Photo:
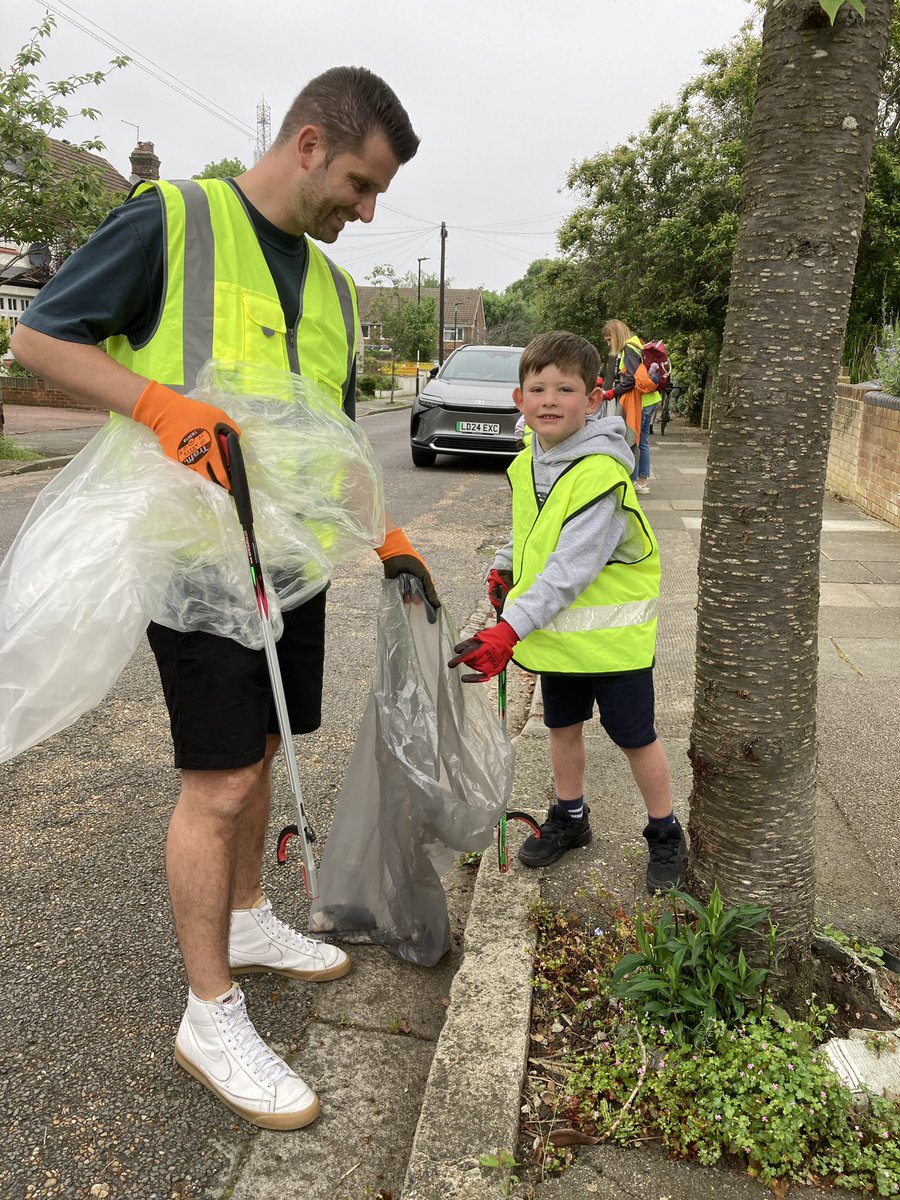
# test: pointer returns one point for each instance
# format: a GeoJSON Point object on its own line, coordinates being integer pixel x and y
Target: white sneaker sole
{"type": "Point", "coordinates": [338, 971]}
{"type": "Point", "coordinates": [290, 1120]}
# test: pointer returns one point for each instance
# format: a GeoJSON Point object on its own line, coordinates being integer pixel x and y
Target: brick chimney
{"type": "Point", "coordinates": [144, 162]}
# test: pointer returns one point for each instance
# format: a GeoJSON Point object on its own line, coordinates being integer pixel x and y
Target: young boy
{"type": "Point", "coordinates": [578, 584]}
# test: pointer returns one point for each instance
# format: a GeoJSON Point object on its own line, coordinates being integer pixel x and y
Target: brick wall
{"type": "Point", "coordinates": [20, 389]}
{"type": "Point", "coordinates": [864, 452]}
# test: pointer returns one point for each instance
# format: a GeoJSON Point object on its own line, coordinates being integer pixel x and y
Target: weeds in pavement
{"type": "Point", "coordinates": [696, 1058]}
{"type": "Point", "coordinates": [502, 1161]}
{"type": "Point", "coordinates": [872, 956]}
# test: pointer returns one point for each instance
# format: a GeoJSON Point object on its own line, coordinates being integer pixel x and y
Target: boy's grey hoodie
{"type": "Point", "coordinates": [588, 541]}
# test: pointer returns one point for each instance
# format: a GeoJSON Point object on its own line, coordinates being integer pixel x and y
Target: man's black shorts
{"type": "Point", "coordinates": [218, 693]}
{"type": "Point", "coordinates": [626, 704]}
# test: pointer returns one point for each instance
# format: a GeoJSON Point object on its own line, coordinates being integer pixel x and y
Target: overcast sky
{"type": "Point", "coordinates": [505, 95]}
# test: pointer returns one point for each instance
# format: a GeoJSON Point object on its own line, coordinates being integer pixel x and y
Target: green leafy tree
{"type": "Point", "coordinates": [225, 168]}
{"type": "Point", "coordinates": [39, 202]}
{"type": "Point", "coordinates": [876, 290]}
{"type": "Point", "coordinates": [653, 240]}
{"type": "Point", "coordinates": [411, 329]}
{"type": "Point", "coordinates": [753, 739]}
{"type": "Point", "coordinates": [384, 274]}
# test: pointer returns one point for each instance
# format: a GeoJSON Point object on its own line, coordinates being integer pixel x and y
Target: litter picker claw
{"type": "Point", "coordinates": [234, 461]}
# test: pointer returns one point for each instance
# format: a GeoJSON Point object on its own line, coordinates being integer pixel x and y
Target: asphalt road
{"type": "Point", "coordinates": [92, 986]}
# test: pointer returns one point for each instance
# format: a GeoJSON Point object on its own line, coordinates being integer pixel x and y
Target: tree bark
{"type": "Point", "coordinates": [753, 743]}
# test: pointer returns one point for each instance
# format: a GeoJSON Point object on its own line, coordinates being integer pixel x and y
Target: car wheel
{"type": "Point", "coordinates": [422, 458]}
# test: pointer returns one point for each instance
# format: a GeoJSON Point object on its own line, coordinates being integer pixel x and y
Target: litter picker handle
{"type": "Point", "coordinates": [229, 442]}
{"type": "Point", "coordinates": [234, 461]}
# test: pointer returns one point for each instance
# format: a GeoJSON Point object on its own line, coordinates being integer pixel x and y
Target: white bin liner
{"type": "Point", "coordinates": [431, 772]}
{"type": "Point", "coordinates": [123, 536]}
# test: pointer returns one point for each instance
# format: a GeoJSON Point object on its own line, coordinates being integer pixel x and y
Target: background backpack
{"type": "Point", "coordinates": [656, 354]}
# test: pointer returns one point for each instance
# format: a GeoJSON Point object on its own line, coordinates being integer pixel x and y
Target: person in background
{"type": "Point", "coordinates": [226, 269]}
{"type": "Point", "coordinates": [633, 381]}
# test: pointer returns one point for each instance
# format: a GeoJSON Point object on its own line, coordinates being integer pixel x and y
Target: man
{"type": "Point", "coordinates": [180, 273]}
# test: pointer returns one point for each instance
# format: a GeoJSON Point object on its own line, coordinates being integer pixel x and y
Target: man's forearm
{"type": "Point", "coordinates": [85, 372]}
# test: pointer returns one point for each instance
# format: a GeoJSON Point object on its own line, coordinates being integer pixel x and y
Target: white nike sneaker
{"type": "Point", "coordinates": [218, 1044]}
{"type": "Point", "coordinates": [259, 941]}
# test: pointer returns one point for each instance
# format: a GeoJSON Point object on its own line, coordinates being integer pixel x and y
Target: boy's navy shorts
{"type": "Point", "coordinates": [218, 694]}
{"type": "Point", "coordinates": [626, 704]}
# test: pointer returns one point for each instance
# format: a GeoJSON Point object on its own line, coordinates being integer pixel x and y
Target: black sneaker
{"type": "Point", "coordinates": [668, 848]}
{"type": "Point", "coordinates": [559, 833]}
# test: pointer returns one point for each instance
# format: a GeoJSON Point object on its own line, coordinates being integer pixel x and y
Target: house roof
{"type": "Point", "coordinates": [467, 299]}
{"type": "Point", "coordinates": [67, 157]}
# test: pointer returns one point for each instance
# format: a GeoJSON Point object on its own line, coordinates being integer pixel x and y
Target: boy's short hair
{"type": "Point", "coordinates": [350, 104]}
{"type": "Point", "coordinates": [567, 351]}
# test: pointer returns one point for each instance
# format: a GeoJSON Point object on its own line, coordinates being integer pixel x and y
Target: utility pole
{"type": "Point", "coordinates": [455, 326]}
{"type": "Point", "coordinates": [418, 307]}
{"type": "Point", "coordinates": [441, 309]}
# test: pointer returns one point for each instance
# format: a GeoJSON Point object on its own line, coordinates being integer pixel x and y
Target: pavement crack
{"type": "Point", "coordinates": [845, 657]}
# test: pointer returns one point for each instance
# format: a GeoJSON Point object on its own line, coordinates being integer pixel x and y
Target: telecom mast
{"type": "Point", "coordinates": [263, 128]}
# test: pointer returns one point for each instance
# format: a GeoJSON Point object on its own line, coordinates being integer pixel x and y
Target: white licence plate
{"type": "Point", "coordinates": [477, 427]}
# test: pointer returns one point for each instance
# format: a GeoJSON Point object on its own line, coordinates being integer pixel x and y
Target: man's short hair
{"type": "Point", "coordinates": [350, 104]}
{"type": "Point", "coordinates": [567, 351]}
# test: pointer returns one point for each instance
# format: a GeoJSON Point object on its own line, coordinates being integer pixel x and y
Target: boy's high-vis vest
{"type": "Point", "coordinates": [611, 627]}
{"type": "Point", "coordinates": [220, 300]}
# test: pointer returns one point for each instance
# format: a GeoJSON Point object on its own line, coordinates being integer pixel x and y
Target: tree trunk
{"type": "Point", "coordinates": [753, 743]}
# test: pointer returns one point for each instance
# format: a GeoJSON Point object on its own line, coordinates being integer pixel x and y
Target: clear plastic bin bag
{"type": "Point", "coordinates": [430, 774]}
{"type": "Point", "coordinates": [123, 536]}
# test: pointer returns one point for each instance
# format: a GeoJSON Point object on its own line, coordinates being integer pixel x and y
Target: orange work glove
{"type": "Point", "coordinates": [398, 558]}
{"type": "Point", "coordinates": [188, 430]}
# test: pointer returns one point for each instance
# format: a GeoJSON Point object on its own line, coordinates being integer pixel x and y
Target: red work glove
{"type": "Point", "coordinates": [398, 558]}
{"type": "Point", "coordinates": [188, 430]}
{"type": "Point", "coordinates": [609, 394]}
{"type": "Point", "coordinates": [488, 652]}
{"type": "Point", "coordinates": [498, 583]}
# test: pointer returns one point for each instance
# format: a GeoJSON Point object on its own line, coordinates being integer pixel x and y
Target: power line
{"type": "Point", "coordinates": [178, 85]}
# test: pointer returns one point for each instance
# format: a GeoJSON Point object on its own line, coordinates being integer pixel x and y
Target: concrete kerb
{"type": "Point", "coordinates": [473, 1094]}
{"type": "Point", "coordinates": [15, 467]}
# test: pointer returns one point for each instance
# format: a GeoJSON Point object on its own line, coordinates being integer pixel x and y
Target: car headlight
{"type": "Point", "coordinates": [430, 401]}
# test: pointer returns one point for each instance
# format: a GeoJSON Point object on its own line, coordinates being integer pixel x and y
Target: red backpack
{"type": "Point", "coordinates": [655, 354]}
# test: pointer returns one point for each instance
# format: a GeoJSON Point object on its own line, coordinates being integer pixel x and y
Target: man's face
{"type": "Point", "coordinates": [328, 196]}
{"type": "Point", "coordinates": [555, 403]}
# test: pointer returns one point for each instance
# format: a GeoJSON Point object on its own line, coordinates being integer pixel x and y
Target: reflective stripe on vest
{"type": "Point", "coordinates": [220, 300]}
{"type": "Point", "coordinates": [611, 627]}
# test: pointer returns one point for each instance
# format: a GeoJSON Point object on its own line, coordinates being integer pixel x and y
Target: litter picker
{"type": "Point", "coordinates": [234, 461]}
{"type": "Point", "coordinates": [514, 814]}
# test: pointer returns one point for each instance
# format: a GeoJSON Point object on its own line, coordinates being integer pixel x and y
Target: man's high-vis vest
{"type": "Point", "coordinates": [220, 300]}
{"type": "Point", "coordinates": [611, 627]}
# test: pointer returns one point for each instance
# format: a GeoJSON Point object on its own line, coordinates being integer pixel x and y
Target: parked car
{"type": "Point", "coordinates": [466, 406]}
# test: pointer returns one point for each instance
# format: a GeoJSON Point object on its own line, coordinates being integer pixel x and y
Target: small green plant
{"type": "Point", "coordinates": [872, 956]}
{"type": "Point", "coordinates": [9, 450]}
{"type": "Point", "coordinates": [369, 384]}
{"type": "Point", "coordinates": [690, 971]}
{"type": "Point", "coordinates": [393, 1024]}
{"type": "Point", "coordinates": [17, 371]}
{"type": "Point", "coordinates": [879, 1042]}
{"type": "Point", "coordinates": [470, 860]}
{"type": "Point", "coordinates": [501, 1161]}
{"type": "Point", "coordinates": [887, 358]}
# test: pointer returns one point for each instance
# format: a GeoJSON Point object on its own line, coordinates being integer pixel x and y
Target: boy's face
{"type": "Point", "coordinates": [555, 403]}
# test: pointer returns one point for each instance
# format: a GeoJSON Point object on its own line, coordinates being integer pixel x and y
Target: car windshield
{"type": "Point", "coordinates": [490, 366]}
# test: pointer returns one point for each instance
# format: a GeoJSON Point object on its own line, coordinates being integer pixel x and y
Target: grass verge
{"type": "Point", "coordinates": [11, 451]}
